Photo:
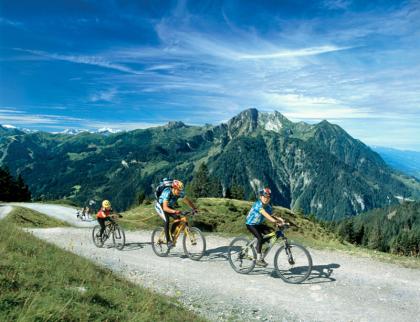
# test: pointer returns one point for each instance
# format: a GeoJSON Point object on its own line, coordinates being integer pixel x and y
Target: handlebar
{"type": "Point", "coordinates": [190, 212]}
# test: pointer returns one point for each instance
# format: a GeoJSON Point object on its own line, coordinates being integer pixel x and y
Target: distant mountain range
{"type": "Point", "coordinates": [404, 161]}
{"type": "Point", "coordinates": [319, 168]}
{"type": "Point", "coordinates": [66, 131]}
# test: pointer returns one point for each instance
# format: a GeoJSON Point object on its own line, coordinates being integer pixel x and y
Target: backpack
{"type": "Point", "coordinates": [165, 183]}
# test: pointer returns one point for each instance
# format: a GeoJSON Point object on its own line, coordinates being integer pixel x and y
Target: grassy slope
{"type": "Point", "coordinates": [24, 217]}
{"type": "Point", "coordinates": [40, 282]}
{"type": "Point", "coordinates": [227, 217]}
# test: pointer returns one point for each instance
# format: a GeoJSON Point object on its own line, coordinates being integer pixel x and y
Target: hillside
{"type": "Point", "coordinates": [319, 168]}
{"type": "Point", "coordinates": [394, 229]}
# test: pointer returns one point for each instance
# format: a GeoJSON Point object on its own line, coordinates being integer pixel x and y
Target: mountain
{"type": "Point", "coordinates": [405, 161]}
{"type": "Point", "coordinates": [319, 168]}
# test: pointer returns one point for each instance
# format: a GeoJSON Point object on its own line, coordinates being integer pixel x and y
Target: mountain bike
{"type": "Point", "coordinates": [111, 228]}
{"type": "Point", "coordinates": [193, 241]}
{"type": "Point", "coordinates": [292, 261]}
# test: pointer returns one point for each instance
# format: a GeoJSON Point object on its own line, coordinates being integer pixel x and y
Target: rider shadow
{"type": "Point", "coordinates": [216, 254]}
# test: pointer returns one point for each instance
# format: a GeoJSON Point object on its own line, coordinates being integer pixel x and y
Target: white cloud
{"type": "Point", "coordinates": [104, 96]}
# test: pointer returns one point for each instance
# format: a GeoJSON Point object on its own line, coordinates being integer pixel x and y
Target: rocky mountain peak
{"type": "Point", "coordinates": [175, 124]}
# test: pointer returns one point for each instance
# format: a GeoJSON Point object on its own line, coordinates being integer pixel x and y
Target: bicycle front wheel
{"type": "Point", "coordinates": [241, 255]}
{"type": "Point", "coordinates": [118, 237]}
{"type": "Point", "coordinates": [293, 263]}
{"type": "Point", "coordinates": [159, 244]}
{"type": "Point", "coordinates": [95, 237]}
{"type": "Point", "coordinates": [194, 243]}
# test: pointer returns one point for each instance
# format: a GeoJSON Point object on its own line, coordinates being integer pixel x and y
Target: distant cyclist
{"type": "Point", "coordinates": [260, 211]}
{"type": "Point", "coordinates": [165, 204]}
{"type": "Point", "coordinates": [103, 215]}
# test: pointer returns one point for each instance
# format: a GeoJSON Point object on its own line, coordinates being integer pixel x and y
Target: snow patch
{"type": "Point", "coordinates": [359, 200]}
{"type": "Point", "coordinates": [255, 184]}
{"type": "Point", "coordinates": [124, 164]}
{"type": "Point", "coordinates": [8, 126]}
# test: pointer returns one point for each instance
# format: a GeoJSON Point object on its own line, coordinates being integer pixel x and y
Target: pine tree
{"type": "Point", "coordinates": [237, 192]}
{"type": "Point", "coordinates": [201, 182]}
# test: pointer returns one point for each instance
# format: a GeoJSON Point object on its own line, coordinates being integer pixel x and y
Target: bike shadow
{"type": "Point", "coordinates": [216, 254]}
{"type": "Point", "coordinates": [319, 274]}
{"type": "Point", "coordinates": [130, 246]}
{"type": "Point", "coordinates": [134, 246]}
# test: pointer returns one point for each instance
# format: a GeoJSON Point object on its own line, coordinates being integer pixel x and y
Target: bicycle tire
{"type": "Point", "coordinates": [159, 244]}
{"type": "Point", "coordinates": [236, 257]}
{"type": "Point", "coordinates": [293, 273]}
{"type": "Point", "coordinates": [97, 241]}
{"type": "Point", "coordinates": [194, 235]}
{"type": "Point", "coordinates": [118, 237]}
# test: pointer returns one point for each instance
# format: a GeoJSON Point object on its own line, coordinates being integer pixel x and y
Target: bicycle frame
{"type": "Point", "coordinates": [274, 237]}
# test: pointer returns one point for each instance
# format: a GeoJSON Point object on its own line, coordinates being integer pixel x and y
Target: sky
{"type": "Point", "coordinates": [136, 64]}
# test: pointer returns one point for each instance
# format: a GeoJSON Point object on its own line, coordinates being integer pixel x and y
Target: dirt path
{"type": "Point", "coordinates": [60, 212]}
{"type": "Point", "coordinates": [341, 288]}
{"type": "Point", "coordinates": [4, 210]}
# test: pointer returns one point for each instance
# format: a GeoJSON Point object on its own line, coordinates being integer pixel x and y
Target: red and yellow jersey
{"type": "Point", "coordinates": [103, 213]}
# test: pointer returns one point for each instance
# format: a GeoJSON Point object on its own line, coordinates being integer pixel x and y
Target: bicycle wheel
{"type": "Point", "coordinates": [97, 240]}
{"type": "Point", "coordinates": [159, 245]}
{"type": "Point", "coordinates": [194, 243]}
{"type": "Point", "coordinates": [118, 237]}
{"type": "Point", "coordinates": [241, 256]}
{"type": "Point", "coordinates": [293, 263]}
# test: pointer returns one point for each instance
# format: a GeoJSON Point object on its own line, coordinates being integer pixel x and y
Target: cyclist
{"type": "Point", "coordinates": [164, 206]}
{"type": "Point", "coordinates": [103, 215]}
{"type": "Point", "coordinates": [260, 211]}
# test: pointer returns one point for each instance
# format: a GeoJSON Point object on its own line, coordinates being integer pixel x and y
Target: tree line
{"type": "Point", "coordinates": [11, 188]}
{"type": "Point", "coordinates": [395, 229]}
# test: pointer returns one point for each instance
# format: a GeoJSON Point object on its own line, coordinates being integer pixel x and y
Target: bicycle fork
{"type": "Point", "coordinates": [289, 255]}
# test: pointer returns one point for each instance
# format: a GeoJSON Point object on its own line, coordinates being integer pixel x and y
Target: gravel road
{"type": "Point", "coordinates": [341, 288]}
{"type": "Point", "coordinates": [64, 213]}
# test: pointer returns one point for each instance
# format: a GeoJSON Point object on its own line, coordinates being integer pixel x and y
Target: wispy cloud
{"type": "Point", "coordinates": [81, 59]}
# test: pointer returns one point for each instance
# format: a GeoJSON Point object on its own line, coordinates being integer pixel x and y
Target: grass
{"type": "Point", "coordinates": [24, 217]}
{"type": "Point", "coordinates": [40, 282]}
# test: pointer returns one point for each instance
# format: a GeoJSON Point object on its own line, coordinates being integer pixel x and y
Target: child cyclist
{"type": "Point", "coordinates": [103, 215]}
{"type": "Point", "coordinates": [260, 211]}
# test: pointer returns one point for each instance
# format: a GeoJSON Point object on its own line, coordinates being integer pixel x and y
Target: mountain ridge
{"type": "Point", "coordinates": [317, 168]}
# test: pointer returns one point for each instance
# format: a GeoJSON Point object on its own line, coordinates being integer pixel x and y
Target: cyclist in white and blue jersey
{"type": "Point", "coordinates": [260, 211]}
{"type": "Point", "coordinates": [164, 206]}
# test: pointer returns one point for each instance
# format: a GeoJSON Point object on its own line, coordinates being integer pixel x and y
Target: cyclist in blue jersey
{"type": "Point", "coordinates": [164, 206]}
{"type": "Point", "coordinates": [260, 211]}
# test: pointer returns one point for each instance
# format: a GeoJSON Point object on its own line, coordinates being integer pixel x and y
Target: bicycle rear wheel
{"type": "Point", "coordinates": [241, 256]}
{"type": "Point", "coordinates": [293, 263]}
{"type": "Point", "coordinates": [194, 243]}
{"type": "Point", "coordinates": [118, 237]}
{"type": "Point", "coordinates": [159, 244]}
{"type": "Point", "coordinates": [97, 240]}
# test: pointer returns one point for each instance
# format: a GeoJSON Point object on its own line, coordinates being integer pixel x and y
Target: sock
{"type": "Point", "coordinates": [258, 256]}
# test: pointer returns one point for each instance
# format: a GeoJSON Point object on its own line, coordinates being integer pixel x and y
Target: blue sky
{"type": "Point", "coordinates": [134, 64]}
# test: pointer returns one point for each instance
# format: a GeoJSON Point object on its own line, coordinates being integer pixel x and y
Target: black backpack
{"type": "Point", "coordinates": [165, 183]}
